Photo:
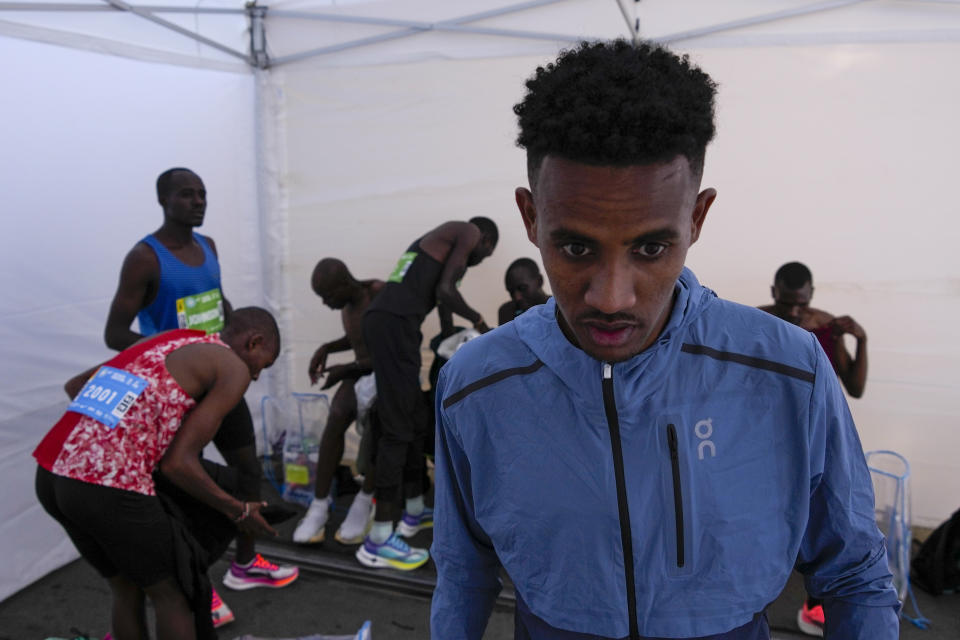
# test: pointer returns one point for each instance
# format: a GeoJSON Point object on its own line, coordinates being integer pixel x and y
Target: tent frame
{"type": "Point", "coordinates": [258, 16]}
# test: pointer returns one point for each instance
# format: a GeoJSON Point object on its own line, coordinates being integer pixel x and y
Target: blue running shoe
{"type": "Point", "coordinates": [410, 525]}
{"type": "Point", "coordinates": [393, 553]}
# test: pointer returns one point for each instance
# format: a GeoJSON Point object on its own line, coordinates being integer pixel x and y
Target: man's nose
{"type": "Point", "coordinates": [611, 288]}
{"type": "Point", "coordinates": [517, 296]}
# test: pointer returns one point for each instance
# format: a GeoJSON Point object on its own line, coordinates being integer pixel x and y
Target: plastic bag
{"type": "Point", "coordinates": [450, 344]}
{"type": "Point", "coordinates": [292, 430]}
{"type": "Point", "coordinates": [890, 473]}
{"type": "Point", "coordinates": [366, 389]}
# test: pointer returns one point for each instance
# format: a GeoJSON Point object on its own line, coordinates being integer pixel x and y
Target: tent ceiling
{"type": "Point", "coordinates": [218, 33]}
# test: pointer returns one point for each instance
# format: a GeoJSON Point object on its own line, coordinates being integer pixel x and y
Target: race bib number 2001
{"type": "Point", "coordinates": [108, 395]}
{"type": "Point", "coordinates": [203, 311]}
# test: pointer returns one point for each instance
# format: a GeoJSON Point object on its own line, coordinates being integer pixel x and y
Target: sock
{"type": "Point", "coordinates": [415, 506]}
{"type": "Point", "coordinates": [381, 531]}
{"type": "Point", "coordinates": [320, 505]}
{"type": "Point", "coordinates": [358, 515]}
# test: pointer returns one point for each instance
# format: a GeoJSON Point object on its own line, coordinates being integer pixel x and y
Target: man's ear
{"type": "Point", "coordinates": [528, 212]}
{"type": "Point", "coordinates": [704, 199]}
{"type": "Point", "coordinates": [254, 340]}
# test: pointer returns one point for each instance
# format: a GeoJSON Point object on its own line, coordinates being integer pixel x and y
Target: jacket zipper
{"type": "Point", "coordinates": [626, 537]}
{"type": "Point", "coordinates": [677, 491]}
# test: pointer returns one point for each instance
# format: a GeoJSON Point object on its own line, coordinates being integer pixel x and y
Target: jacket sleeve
{"type": "Point", "coordinates": [843, 554]}
{"type": "Point", "coordinates": [467, 566]}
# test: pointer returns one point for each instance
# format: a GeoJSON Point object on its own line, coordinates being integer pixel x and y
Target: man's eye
{"type": "Point", "coordinates": [575, 249]}
{"type": "Point", "coordinates": [651, 249]}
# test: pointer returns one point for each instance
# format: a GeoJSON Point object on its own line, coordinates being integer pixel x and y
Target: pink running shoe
{"type": "Point", "coordinates": [260, 573]}
{"type": "Point", "coordinates": [219, 611]}
{"type": "Point", "coordinates": [810, 620]}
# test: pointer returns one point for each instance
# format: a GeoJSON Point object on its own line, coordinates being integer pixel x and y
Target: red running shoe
{"type": "Point", "coordinates": [810, 620]}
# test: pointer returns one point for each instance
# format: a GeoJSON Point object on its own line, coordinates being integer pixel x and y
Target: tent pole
{"type": "Point", "coordinates": [633, 23]}
{"type": "Point", "coordinates": [767, 17]}
{"type": "Point", "coordinates": [146, 15]}
{"type": "Point", "coordinates": [258, 36]}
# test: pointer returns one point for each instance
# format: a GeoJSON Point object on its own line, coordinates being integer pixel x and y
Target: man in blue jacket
{"type": "Point", "coordinates": [644, 459]}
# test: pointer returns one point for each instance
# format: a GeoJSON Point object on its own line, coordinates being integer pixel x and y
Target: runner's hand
{"type": "Point", "coordinates": [318, 363]}
{"type": "Point", "coordinates": [846, 324]}
{"type": "Point", "coordinates": [336, 373]}
{"type": "Point", "coordinates": [254, 523]}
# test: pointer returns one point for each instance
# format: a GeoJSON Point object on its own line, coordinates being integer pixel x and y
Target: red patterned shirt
{"type": "Point", "coordinates": [124, 457]}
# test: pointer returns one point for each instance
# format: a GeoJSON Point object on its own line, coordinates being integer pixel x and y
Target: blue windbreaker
{"type": "Point", "coordinates": [720, 458]}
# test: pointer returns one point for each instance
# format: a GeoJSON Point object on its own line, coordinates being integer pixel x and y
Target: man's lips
{"type": "Point", "coordinates": [610, 334]}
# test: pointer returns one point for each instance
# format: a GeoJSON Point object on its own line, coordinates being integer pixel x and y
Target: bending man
{"type": "Point", "coordinates": [426, 275]}
{"type": "Point", "coordinates": [152, 407]}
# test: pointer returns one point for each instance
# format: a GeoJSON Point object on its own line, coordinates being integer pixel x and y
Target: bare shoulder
{"type": "Point", "coordinates": [141, 259]}
{"type": "Point", "coordinates": [819, 317]}
{"type": "Point", "coordinates": [213, 245]}
{"type": "Point", "coordinates": [456, 230]}
{"type": "Point", "coordinates": [198, 367]}
{"type": "Point", "coordinates": [373, 286]}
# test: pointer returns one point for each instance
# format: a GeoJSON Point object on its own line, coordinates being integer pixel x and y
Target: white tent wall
{"type": "Point", "coordinates": [835, 150]}
{"type": "Point", "coordinates": [837, 156]}
{"type": "Point", "coordinates": [84, 138]}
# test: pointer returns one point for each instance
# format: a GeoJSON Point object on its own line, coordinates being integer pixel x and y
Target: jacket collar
{"type": "Point", "coordinates": [539, 330]}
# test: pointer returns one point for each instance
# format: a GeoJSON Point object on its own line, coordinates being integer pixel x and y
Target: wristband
{"type": "Point", "coordinates": [244, 514]}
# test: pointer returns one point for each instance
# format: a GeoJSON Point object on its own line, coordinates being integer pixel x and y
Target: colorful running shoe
{"type": "Point", "coordinates": [260, 573]}
{"type": "Point", "coordinates": [393, 553]}
{"type": "Point", "coordinates": [219, 611]}
{"type": "Point", "coordinates": [410, 525]}
{"type": "Point", "coordinates": [810, 620]}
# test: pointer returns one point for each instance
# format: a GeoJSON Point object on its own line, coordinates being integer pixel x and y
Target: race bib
{"type": "Point", "coordinates": [203, 311]}
{"type": "Point", "coordinates": [108, 395]}
{"type": "Point", "coordinates": [403, 265]}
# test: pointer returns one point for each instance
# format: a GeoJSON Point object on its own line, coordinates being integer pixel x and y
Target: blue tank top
{"type": "Point", "coordinates": [187, 297]}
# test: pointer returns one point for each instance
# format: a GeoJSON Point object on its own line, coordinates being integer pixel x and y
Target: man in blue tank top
{"type": "Point", "coordinates": [170, 280]}
{"type": "Point", "coordinates": [425, 277]}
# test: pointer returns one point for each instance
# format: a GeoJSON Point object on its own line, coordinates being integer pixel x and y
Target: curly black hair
{"type": "Point", "coordinates": [616, 104]}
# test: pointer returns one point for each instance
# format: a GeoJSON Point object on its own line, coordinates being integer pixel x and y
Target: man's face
{"type": "Point", "coordinates": [613, 242]}
{"type": "Point", "coordinates": [482, 251]}
{"type": "Point", "coordinates": [186, 201]}
{"type": "Point", "coordinates": [791, 304]}
{"type": "Point", "coordinates": [336, 295]}
{"type": "Point", "coordinates": [524, 288]}
{"type": "Point", "coordinates": [259, 354]}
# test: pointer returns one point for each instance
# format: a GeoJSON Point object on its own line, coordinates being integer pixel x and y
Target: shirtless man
{"type": "Point", "coordinates": [152, 407]}
{"type": "Point", "coordinates": [169, 280]}
{"type": "Point", "coordinates": [339, 290]}
{"type": "Point", "coordinates": [792, 292]}
{"type": "Point", "coordinates": [425, 276]}
{"type": "Point", "coordinates": [524, 283]}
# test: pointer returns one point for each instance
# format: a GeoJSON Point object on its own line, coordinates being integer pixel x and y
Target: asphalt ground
{"type": "Point", "coordinates": [335, 595]}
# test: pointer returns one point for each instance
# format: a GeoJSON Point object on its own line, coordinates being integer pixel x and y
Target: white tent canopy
{"type": "Point", "coordinates": [349, 128]}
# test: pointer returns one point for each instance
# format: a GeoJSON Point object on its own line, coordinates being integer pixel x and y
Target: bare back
{"type": "Point", "coordinates": [352, 315]}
